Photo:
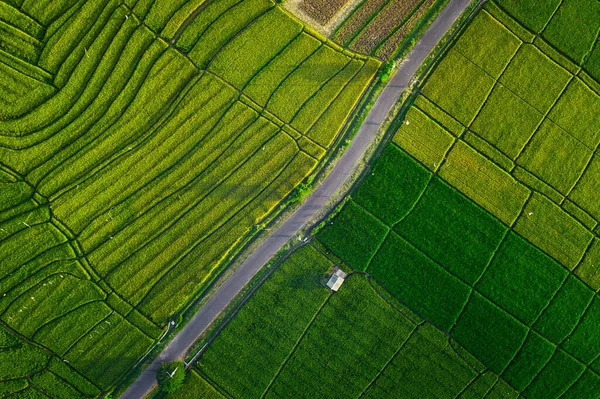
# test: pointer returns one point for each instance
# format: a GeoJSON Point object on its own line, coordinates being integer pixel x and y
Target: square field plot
{"type": "Point", "coordinates": [422, 137]}
{"type": "Point", "coordinates": [535, 14]}
{"type": "Point", "coordinates": [459, 87]}
{"type": "Point", "coordinates": [578, 112]}
{"type": "Point", "coordinates": [489, 333]}
{"type": "Point", "coordinates": [507, 121]}
{"type": "Point", "coordinates": [574, 28]}
{"type": "Point", "coordinates": [521, 279]}
{"type": "Point", "coordinates": [354, 235]}
{"type": "Point", "coordinates": [535, 78]}
{"type": "Point", "coordinates": [452, 230]}
{"type": "Point", "coordinates": [488, 44]}
{"type": "Point", "coordinates": [418, 282]}
{"type": "Point", "coordinates": [556, 157]}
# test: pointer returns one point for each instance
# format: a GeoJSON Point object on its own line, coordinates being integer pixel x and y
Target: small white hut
{"type": "Point", "coordinates": [336, 280]}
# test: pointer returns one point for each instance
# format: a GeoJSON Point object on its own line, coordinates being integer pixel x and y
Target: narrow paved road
{"type": "Point", "coordinates": [342, 170]}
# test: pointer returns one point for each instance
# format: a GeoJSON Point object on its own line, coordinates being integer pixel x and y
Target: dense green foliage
{"type": "Point", "coordinates": [170, 376]}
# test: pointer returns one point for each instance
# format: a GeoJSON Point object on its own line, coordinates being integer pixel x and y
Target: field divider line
{"type": "Point", "coordinates": [289, 356]}
{"type": "Point", "coordinates": [400, 347]}
{"type": "Point", "coordinates": [160, 38]}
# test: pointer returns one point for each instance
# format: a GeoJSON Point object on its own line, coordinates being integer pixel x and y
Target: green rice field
{"type": "Point", "coordinates": [472, 241]}
{"type": "Point", "coordinates": [141, 144]}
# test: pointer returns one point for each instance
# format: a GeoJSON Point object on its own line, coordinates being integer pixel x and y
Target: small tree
{"type": "Point", "coordinates": [170, 376]}
{"type": "Point", "coordinates": [386, 71]}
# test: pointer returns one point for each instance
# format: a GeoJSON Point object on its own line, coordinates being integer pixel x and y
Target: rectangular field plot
{"type": "Point", "coordinates": [584, 341]}
{"type": "Point", "coordinates": [429, 362]}
{"type": "Point", "coordinates": [494, 347]}
{"type": "Point", "coordinates": [564, 311]}
{"type": "Point", "coordinates": [577, 112]}
{"type": "Point", "coordinates": [572, 30]}
{"type": "Point", "coordinates": [535, 78]}
{"type": "Point", "coordinates": [531, 358]}
{"type": "Point", "coordinates": [459, 87]}
{"type": "Point", "coordinates": [507, 122]}
{"type": "Point", "coordinates": [535, 14]}
{"type": "Point", "coordinates": [556, 157]}
{"type": "Point", "coordinates": [556, 377]}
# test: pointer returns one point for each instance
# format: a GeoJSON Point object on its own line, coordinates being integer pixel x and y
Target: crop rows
{"type": "Point", "coordinates": [381, 27]}
{"type": "Point", "coordinates": [140, 150]}
{"type": "Point", "coordinates": [304, 346]}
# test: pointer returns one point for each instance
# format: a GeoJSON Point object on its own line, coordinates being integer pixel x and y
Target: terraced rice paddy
{"type": "Point", "coordinates": [478, 224]}
{"type": "Point", "coordinates": [141, 142]}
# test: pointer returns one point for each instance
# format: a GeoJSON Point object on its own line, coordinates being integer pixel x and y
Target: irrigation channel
{"type": "Point", "coordinates": [401, 80]}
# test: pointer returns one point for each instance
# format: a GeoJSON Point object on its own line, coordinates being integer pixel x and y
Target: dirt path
{"type": "Point", "coordinates": [336, 178]}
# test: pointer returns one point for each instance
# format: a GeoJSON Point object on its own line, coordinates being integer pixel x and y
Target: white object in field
{"type": "Point", "coordinates": [336, 280]}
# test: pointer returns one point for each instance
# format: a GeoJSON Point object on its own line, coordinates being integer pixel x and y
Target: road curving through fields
{"type": "Point", "coordinates": [336, 178]}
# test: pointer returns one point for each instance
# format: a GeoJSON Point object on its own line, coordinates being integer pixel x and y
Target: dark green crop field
{"type": "Point", "coordinates": [141, 144]}
{"type": "Point", "coordinates": [476, 229]}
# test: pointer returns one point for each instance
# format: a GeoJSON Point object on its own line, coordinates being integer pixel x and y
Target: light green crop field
{"type": "Point", "coordinates": [477, 224]}
{"type": "Point", "coordinates": [141, 144]}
